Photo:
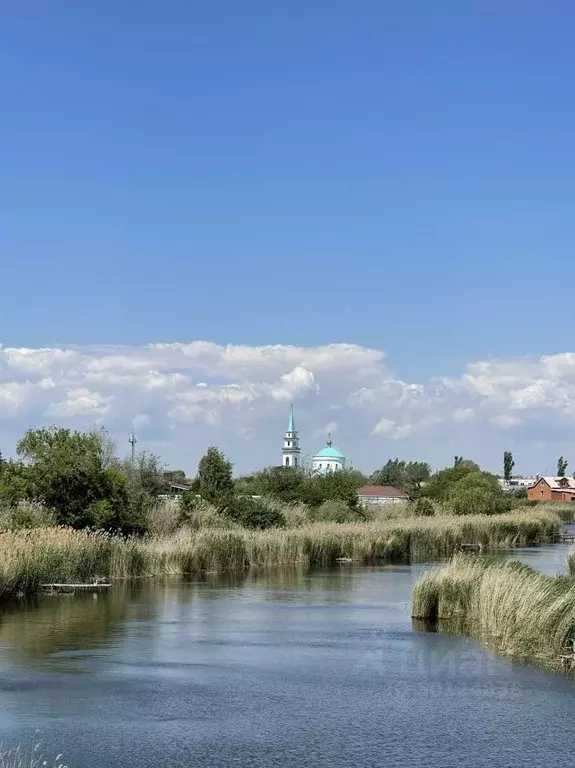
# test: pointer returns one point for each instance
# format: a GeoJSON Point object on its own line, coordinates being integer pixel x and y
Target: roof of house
{"type": "Point", "coordinates": [555, 485]}
{"type": "Point", "coordinates": [380, 490]}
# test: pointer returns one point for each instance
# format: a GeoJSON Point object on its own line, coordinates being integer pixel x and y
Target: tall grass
{"type": "Point", "coordinates": [517, 610]}
{"type": "Point", "coordinates": [27, 757]}
{"type": "Point", "coordinates": [29, 558]}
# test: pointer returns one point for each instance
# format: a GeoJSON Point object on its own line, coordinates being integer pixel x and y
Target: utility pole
{"type": "Point", "coordinates": [133, 440]}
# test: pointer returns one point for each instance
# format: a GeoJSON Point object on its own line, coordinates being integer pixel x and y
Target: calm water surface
{"type": "Point", "coordinates": [277, 669]}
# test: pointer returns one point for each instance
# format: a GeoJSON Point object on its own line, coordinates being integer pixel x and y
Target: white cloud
{"type": "Point", "coordinates": [200, 392]}
{"type": "Point", "coordinates": [330, 428]}
{"type": "Point", "coordinates": [14, 395]}
{"type": "Point", "coordinates": [463, 414]}
{"type": "Point", "coordinates": [36, 360]}
{"type": "Point", "coordinates": [140, 420]}
{"type": "Point", "coordinates": [80, 402]}
{"type": "Point", "coordinates": [391, 428]}
{"type": "Point", "coordinates": [505, 421]}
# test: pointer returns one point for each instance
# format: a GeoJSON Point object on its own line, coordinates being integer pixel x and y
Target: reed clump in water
{"type": "Point", "coordinates": [510, 606]}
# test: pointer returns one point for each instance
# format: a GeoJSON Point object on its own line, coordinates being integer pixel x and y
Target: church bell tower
{"type": "Point", "coordinates": [291, 450]}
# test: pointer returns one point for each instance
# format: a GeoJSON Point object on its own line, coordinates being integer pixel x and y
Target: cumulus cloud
{"type": "Point", "coordinates": [245, 390]}
{"type": "Point", "coordinates": [80, 401]}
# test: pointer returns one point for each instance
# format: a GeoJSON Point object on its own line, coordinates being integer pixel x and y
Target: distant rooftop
{"type": "Point", "coordinates": [381, 490]}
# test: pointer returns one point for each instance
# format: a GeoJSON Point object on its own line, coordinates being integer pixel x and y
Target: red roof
{"type": "Point", "coordinates": [380, 490]}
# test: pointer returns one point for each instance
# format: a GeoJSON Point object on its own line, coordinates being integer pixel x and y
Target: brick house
{"type": "Point", "coordinates": [552, 489]}
{"type": "Point", "coordinates": [380, 494]}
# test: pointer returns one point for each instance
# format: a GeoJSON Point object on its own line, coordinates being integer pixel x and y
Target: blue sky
{"type": "Point", "coordinates": [395, 176]}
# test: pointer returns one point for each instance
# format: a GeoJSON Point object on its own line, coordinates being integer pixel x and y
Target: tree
{"type": "Point", "coordinates": [407, 476]}
{"type": "Point", "coordinates": [144, 478]}
{"type": "Point", "coordinates": [283, 483]}
{"type": "Point", "coordinates": [460, 461]}
{"type": "Point", "coordinates": [174, 476]}
{"type": "Point", "coordinates": [215, 477]}
{"type": "Point", "coordinates": [440, 484]}
{"type": "Point", "coordinates": [14, 482]}
{"type": "Point", "coordinates": [508, 465]}
{"type": "Point", "coordinates": [73, 474]}
{"type": "Point", "coordinates": [66, 471]}
{"type": "Point", "coordinates": [477, 493]}
{"type": "Point", "coordinates": [342, 485]}
{"type": "Point", "coordinates": [561, 466]}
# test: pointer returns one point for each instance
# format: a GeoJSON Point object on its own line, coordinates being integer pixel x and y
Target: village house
{"type": "Point", "coordinates": [380, 494]}
{"type": "Point", "coordinates": [552, 489]}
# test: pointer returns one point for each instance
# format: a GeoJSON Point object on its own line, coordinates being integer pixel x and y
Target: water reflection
{"type": "Point", "coordinates": [271, 668]}
{"type": "Point", "coordinates": [44, 626]}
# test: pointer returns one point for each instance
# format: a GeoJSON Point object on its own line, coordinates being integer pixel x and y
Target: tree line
{"type": "Point", "coordinates": [78, 477]}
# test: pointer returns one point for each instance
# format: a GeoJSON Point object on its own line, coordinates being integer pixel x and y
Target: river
{"type": "Point", "coordinates": [286, 668]}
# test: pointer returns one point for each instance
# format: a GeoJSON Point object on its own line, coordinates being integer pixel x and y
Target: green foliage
{"type": "Point", "coordinates": [26, 515]}
{"type": "Point", "coordinates": [76, 475]}
{"type": "Point", "coordinates": [189, 502]}
{"type": "Point", "coordinates": [478, 493]}
{"type": "Point", "coordinates": [508, 465]}
{"type": "Point", "coordinates": [174, 476]}
{"type": "Point", "coordinates": [290, 485]}
{"type": "Point", "coordinates": [335, 511]}
{"type": "Point", "coordinates": [67, 471]}
{"type": "Point", "coordinates": [282, 483]}
{"type": "Point", "coordinates": [460, 461]}
{"type": "Point", "coordinates": [440, 484]}
{"type": "Point", "coordinates": [407, 476]}
{"type": "Point", "coordinates": [144, 478]}
{"type": "Point", "coordinates": [215, 477]}
{"type": "Point", "coordinates": [341, 485]}
{"type": "Point", "coordinates": [14, 482]}
{"type": "Point", "coordinates": [423, 508]}
{"type": "Point", "coordinates": [254, 513]}
{"type": "Point", "coordinates": [561, 466]}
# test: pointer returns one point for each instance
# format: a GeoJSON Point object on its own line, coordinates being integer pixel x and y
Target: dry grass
{"type": "Point", "coordinates": [27, 757]}
{"type": "Point", "coordinates": [517, 610]}
{"type": "Point", "coordinates": [29, 558]}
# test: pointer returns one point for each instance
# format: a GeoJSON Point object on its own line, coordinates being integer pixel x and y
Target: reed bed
{"type": "Point", "coordinates": [513, 608]}
{"type": "Point", "coordinates": [29, 558]}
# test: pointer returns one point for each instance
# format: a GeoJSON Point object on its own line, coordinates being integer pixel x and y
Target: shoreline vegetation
{"type": "Point", "coordinates": [72, 511]}
{"type": "Point", "coordinates": [510, 607]}
{"type": "Point", "coordinates": [35, 556]}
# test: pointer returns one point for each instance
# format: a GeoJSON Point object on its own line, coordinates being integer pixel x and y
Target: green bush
{"type": "Point", "coordinates": [254, 513]}
{"type": "Point", "coordinates": [424, 508]}
{"type": "Point", "coordinates": [26, 515]}
{"type": "Point", "coordinates": [189, 502]}
{"type": "Point", "coordinates": [334, 511]}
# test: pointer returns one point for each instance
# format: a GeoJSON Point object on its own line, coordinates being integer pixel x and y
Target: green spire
{"type": "Point", "coordinates": [291, 422]}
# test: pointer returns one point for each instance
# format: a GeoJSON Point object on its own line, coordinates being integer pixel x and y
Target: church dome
{"type": "Point", "coordinates": [329, 453]}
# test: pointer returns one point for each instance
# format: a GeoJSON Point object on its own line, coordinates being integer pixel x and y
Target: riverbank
{"type": "Point", "coordinates": [30, 558]}
{"type": "Point", "coordinates": [511, 607]}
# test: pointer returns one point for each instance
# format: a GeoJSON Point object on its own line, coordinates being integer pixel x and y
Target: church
{"type": "Point", "coordinates": [327, 459]}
